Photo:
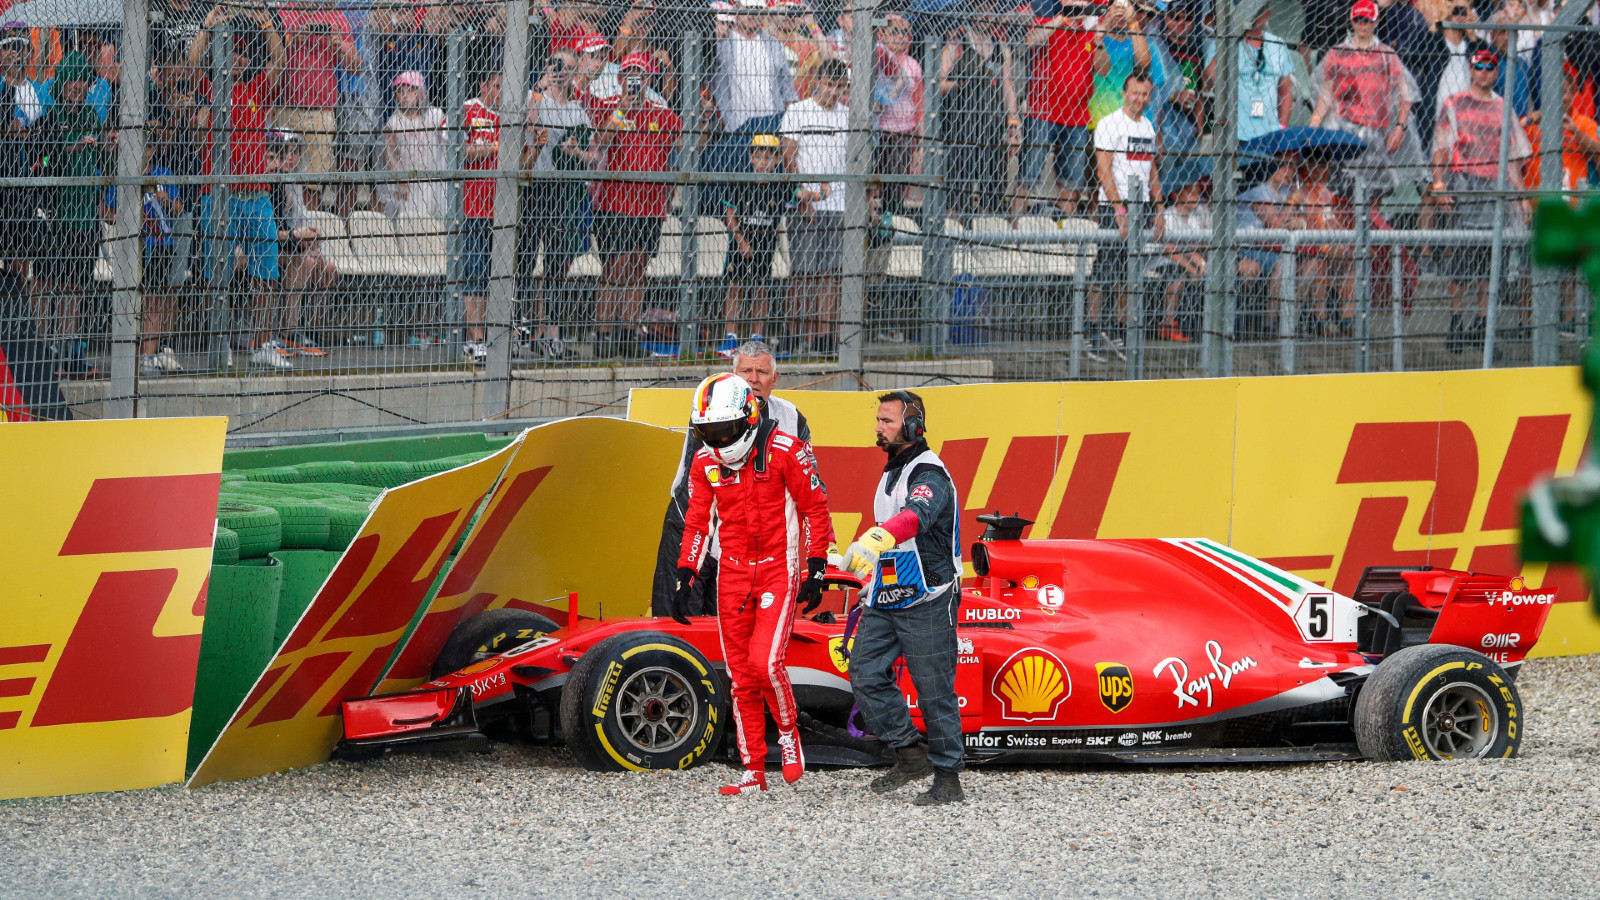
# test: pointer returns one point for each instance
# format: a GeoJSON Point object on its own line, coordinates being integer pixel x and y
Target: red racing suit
{"type": "Point", "coordinates": [773, 515]}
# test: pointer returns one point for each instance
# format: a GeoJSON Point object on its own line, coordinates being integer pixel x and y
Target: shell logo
{"type": "Point", "coordinates": [1031, 685]}
{"type": "Point", "coordinates": [1030, 582]}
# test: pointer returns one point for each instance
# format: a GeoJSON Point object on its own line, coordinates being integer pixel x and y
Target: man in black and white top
{"type": "Point", "coordinates": [754, 363]}
{"type": "Point", "coordinates": [1125, 151]}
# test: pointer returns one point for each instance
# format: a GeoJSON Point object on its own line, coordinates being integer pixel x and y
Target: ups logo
{"type": "Point", "coordinates": [1116, 685]}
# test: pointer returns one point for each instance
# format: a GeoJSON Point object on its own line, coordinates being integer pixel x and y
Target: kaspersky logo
{"type": "Point", "coordinates": [1031, 685]}
{"type": "Point", "coordinates": [1116, 685]}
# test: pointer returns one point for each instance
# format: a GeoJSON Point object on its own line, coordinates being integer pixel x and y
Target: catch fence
{"type": "Point", "coordinates": [359, 216]}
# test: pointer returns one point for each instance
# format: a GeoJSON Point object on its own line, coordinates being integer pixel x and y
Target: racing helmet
{"type": "Point", "coordinates": [724, 417]}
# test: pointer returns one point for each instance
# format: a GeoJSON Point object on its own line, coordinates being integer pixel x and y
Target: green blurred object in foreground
{"type": "Point", "coordinates": [1561, 516]}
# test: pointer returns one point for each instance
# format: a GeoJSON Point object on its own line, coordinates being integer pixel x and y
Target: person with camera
{"type": "Point", "coordinates": [912, 560]}
{"type": "Point", "coordinates": [762, 485]}
{"type": "Point", "coordinates": [258, 60]}
{"type": "Point", "coordinates": [319, 45]}
{"type": "Point", "coordinates": [633, 133]}
{"type": "Point", "coordinates": [558, 138]}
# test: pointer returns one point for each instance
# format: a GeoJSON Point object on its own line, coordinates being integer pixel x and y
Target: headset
{"type": "Point", "coordinates": [914, 426]}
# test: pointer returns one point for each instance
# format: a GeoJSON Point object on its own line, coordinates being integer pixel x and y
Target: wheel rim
{"type": "Point", "coordinates": [656, 709]}
{"type": "Point", "coordinates": [1460, 722]}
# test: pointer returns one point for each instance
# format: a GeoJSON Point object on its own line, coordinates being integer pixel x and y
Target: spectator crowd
{"type": "Point", "coordinates": [1102, 112]}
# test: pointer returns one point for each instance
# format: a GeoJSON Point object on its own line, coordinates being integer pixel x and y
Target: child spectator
{"type": "Point", "coordinates": [162, 205]}
{"type": "Point", "coordinates": [752, 213]}
{"type": "Point", "coordinates": [413, 141]}
{"type": "Point", "coordinates": [897, 88]}
{"type": "Point", "coordinates": [480, 120]}
{"type": "Point", "coordinates": [814, 133]}
{"type": "Point", "coordinates": [1187, 212]}
{"type": "Point", "coordinates": [558, 137]}
{"type": "Point", "coordinates": [303, 265]}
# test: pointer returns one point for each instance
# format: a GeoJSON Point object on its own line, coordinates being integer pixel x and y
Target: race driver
{"type": "Point", "coordinates": [753, 361]}
{"type": "Point", "coordinates": [762, 484]}
{"type": "Point", "coordinates": [912, 560]}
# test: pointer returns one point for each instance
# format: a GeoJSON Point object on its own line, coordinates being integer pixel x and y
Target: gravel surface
{"type": "Point", "coordinates": [526, 822]}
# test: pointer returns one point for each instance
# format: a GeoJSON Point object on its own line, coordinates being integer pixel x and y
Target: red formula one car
{"type": "Point", "coordinates": [1151, 650]}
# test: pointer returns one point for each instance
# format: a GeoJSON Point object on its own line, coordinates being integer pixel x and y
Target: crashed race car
{"type": "Point", "coordinates": [1139, 650]}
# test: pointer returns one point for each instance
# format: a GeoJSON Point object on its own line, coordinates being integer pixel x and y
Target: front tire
{"type": "Point", "coordinates": [487, 634]}
{"type": "Point", "coordinates": [1437, 701]}
{"type": "Point", "coordinates": [643, 700]}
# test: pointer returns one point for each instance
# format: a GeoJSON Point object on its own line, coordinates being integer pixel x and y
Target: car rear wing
{"type": "Point", "coordinates": [1493, 614]}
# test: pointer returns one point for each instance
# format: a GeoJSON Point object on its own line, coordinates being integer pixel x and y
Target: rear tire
{"type": "Point", "coordinates": [643, 700]}
{"type": "Point", "coordinates": [487, 634]}
{"type": "Point", "coordinates": [1437, 701]}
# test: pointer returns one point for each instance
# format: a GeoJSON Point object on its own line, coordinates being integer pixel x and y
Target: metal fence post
{"type": "Point", "coordinates": [455, 137]}
{"type": "Point", "coordinates": [507, 209]}
{"type": "Point", "coordinates": [1216, 348]}
{"type": "Point", "coordinates": [1552, 176]}
{"type": "Point", "coordinates": [934, 249]}
{"type": "Point", "coordinates": [1397, 319]}
{"type": "Point", "coordinates": [1134, 365]}
{"type": "Point", "coordinates": [1497, 250]}
{"type": "Point", "coordinates": [689, 215]}
{"type": "Point", "coordinates": [220, 251]}
{"type": "Point", "coordinates": [1080, 290]}
{"type": "Point", "coordinates": [1288, 306]}
{"type": "Point", "coordinates": [1364, 283]}
{"type": "Point", "coordinates": [858, 159]}
{"type": "Point", "coordinates": [127, 252]}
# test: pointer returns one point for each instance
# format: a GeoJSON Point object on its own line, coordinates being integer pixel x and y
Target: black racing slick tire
{"type": "Point", "coordinates": [643, 700]}
{"type": "Point", "coordinates": [1438, 701]}
{"type": "Point", "coordinates": [487, 634]}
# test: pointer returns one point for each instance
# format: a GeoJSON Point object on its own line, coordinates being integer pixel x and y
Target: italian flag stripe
{"type": "Point", "coordinates": [1264, 571]}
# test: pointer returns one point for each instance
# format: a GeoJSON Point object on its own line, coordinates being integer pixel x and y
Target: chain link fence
{"type": "Point", "coordinates": [322, 216]}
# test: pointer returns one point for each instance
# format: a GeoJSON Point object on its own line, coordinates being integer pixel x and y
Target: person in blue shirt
{"type": "Point", "coordinates": [162, 204]}
{"type": "Point", "coordinates": [1266, 86]}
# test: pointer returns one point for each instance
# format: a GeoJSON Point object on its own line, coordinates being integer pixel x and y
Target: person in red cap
{"type": "Point", "coordinates": [1466, 157]}
{"type": "Point", "coordinates": [634, 132]}
{"type": "Point", "coordinates": [1363, 88]}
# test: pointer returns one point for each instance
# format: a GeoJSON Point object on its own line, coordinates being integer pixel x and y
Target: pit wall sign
{"type": "Point", "coordinates": [106, 550]}
{"type": "Point", "coordinates": [571, 506]}
{"type": "Point", "coordinates": [1321, 475]}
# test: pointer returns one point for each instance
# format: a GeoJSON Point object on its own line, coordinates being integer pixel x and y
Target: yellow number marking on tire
{"type": "Point", "coordinates": [1423, 682]}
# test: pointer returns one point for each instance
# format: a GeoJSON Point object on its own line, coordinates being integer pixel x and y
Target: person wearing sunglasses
{"type": "Point", "coordinates": [1466, 148]}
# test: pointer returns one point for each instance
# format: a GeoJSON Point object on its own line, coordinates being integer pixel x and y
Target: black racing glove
{"type": "Point", "coordinates": [680, 596]}
{"type": "Point", "coordinates": [811, 589]}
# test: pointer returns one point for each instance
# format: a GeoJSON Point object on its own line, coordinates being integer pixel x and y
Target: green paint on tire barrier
{"type": "Point", "coordinates": [225, 547]}
{"type": "Point", "coordinates": [260, 529]}
{"type": "Point", "coordinates": [359, 493]}
{"type": "Point", "coordinates": [304, 571]}
{"type": "Point", "coordinates": [305, 522]}
{"type": "Point", "coordinates": [230, 477]}
{"type": "Point", "coordinates": [410, 449]}
{"type": "Point", "coordinates": [282, 474]}
{"type": "Point", "coordinates": [335, 470]}
{"type": "Point", "coordinates": [384, 474]}
{"type": "Point", "coordinates": [235, 645]}
{"type": "Point", "coordinates": [344, 522]}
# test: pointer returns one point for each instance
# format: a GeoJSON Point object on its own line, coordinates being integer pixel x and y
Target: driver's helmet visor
{"type": "Point", "coordinates": [718, 435]}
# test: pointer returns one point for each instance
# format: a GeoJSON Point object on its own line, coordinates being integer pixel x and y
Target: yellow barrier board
{"type": "Point", "coordinates": [348, 634]}
{"type": "Point", "coordinates": [578, 510]}
{"type": "Point", "coordinates": [100, 628]}
{"type": "Point", "coordinates": [1322, 475]}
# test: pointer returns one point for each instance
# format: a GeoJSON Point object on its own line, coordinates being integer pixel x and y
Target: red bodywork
{"type": "Point", "coordinates": [1119, 647]}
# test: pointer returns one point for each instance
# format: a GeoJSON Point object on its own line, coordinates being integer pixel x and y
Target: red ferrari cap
{"type": "Point", "coordinates": [1485, 59]}
{"type": "Point", "coordinates": [589, 43]}
{"type": "Point", "coordinates": [1364, 9]}
{"type": "Point", "coordinates": [638, 61]}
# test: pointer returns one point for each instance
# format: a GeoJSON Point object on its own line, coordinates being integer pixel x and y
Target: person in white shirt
{"type": "Point", "coordinates": [1125, 150]}
{"type": "Point", "coordinates": [814, 132]}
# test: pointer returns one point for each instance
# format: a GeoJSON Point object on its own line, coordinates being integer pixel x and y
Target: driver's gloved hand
{"type": "Point", "coordinates": [811, 589]}
{"type": "Point", "coordinates": [680, 596]}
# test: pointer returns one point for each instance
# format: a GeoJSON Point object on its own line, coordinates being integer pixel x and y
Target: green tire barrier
{"type": "Point", "coordinates": [305, 522]}
{"type": "Point", "coordinates": [340, 470]}
{"type": "Point", "coordinates": [423, 469]}
{"type": "Point", "coordinates": [230, 477]}
{"type": "Point", "coordinates": [384, 474]}
{"type": "Point", "coordinates": [304, 572]}
{"type": "Point", "coordinates": [344, 522]}
{"type": "Point", "coordinates": [236, 643]}
{"type": "Point", "coordinates": [355, 493]}
{"type": "Point", "coordinates": [225, 547]}
{"type": "Point", "coordinates": [260, 528]}
{"type": "Point", "coordinates": [283, 474]}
